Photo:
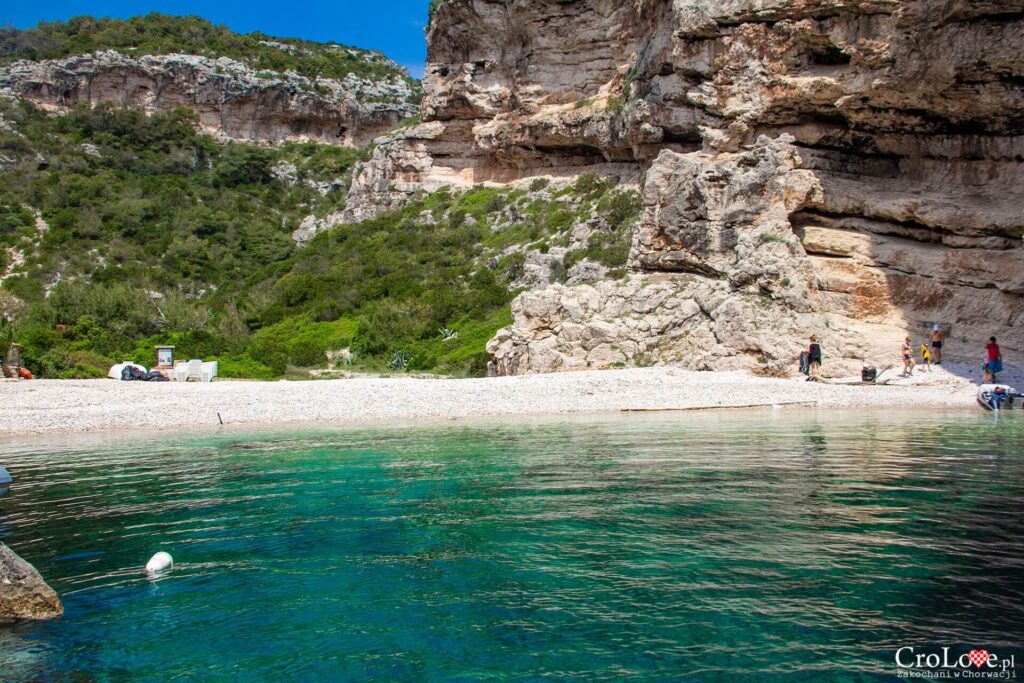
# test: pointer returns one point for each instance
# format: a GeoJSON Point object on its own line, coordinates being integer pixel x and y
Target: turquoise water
{"type": "Point", "coordinates": [767, 546]}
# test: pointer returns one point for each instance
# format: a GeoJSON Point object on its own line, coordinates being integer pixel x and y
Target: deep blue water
{"type": "Point", "coordinates": [762, 546]}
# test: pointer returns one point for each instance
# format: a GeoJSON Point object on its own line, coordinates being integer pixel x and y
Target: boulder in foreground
{"type": "Point", "coordinates": [23, 593]}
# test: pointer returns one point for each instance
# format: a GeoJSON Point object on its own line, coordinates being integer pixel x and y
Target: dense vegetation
{"type": "Point", "coordinates": [122, 231]}
{"type": "Point", "coordinates": [162, 34]}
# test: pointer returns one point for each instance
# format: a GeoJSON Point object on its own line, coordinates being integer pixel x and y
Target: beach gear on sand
{"type": "Point", "coordinates": [131, 373]}
{"type": "Point", "coordinates": [997, 397]}
{"type": "Point", "coordinates": [136, 373]}
{"type": "Point", "coordinates": [204, 372]}
{"type": "Point", "coordinates": [116, 371]}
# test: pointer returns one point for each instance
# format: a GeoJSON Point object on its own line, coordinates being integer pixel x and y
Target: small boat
{"type": "Point", "coordinates": [999, 397]}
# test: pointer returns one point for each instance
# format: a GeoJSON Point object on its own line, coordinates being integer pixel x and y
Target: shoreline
{"type": "Point", "coordinates": [81, 406]}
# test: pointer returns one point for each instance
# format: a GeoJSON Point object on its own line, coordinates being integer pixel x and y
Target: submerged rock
{"type": "Point", "coordinates": [23, 592]}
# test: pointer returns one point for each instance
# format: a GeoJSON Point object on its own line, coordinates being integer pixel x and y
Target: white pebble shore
{"type": "Point", "coordinates": [55, 406]}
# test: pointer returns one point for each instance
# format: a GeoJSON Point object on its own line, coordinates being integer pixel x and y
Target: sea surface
{"type": "Point", "coordinates": [779, 545]}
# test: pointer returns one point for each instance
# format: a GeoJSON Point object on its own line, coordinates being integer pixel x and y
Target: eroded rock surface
{"type": "Point", "coordinates": [231, 100]}
{"type": "Point", "coordinates": [859, 162]}
{"type": "Point", "coordinates": [23, 593]}
{"type": "Point", "coordinates": [684, 320]}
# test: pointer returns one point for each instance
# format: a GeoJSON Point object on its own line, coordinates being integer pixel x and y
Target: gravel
{"type": "Point", "coordinates": [53, 406]}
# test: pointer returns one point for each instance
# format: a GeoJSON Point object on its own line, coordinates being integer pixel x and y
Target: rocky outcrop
{"type": "Point", "coordinates": [854, 165]}
{"type": "Point", "coordinates": [724, 281]}
{"type": "Point", "coordinates": [23, 593]}
{"type": "Point", "coordinates": [230, 99]}
{"type": "Point", "coordinates": [726, 216]}
{"type": "Point", "coordinates": [684, 320]}
{"type": "Point", "coordinates": [739, 265]}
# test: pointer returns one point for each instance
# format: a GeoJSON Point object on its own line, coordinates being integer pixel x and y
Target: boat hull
{"type": "Point", "coordinates": [996, 397]}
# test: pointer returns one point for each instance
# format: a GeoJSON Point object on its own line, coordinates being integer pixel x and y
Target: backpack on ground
{"type": "Point", "coordinates": [130, 373]}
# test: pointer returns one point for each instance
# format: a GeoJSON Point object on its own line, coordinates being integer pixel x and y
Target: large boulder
{"type": "Point", "coordinates": [680, 319]}
{"type": "Point", "coordinates": [23, 593]}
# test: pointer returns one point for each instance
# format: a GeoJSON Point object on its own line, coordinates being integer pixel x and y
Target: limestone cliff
{"type": "Point", "coordinates": [851, 168]}
{"type": "Point", "coordinates": [231, 100]}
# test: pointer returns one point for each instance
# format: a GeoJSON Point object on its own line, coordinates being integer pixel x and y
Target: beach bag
{"type": "Point", "coordinates": [132, 373]}
{"type": "Point", "coordinates": [155, 376]}
{"type": "Point", "coordinates": [805, 362]}
{"type": "Point", "coordinates": [868, 374]}
{"type": "Point", "coordinates": [995, 365]}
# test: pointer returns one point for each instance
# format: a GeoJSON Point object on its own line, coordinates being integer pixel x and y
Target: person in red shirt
{"type": "Point", "coordinates": [994, 360]}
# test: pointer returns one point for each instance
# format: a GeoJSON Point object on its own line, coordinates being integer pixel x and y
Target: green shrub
{"type": "Point", "coordinates": [243, 366]}
{"type": "Point", "coordinates": [769, 237]}
{"type": "Point", "coordinates": [66, 363]}
{"type": "Point", "coordinates": [591, 186]}
{"type": "Point", "coordinates": [242, 165]}
{"type": "Point", "coordinates": [14, 220]}
{"type": "Point", "coordinates": [25, 288]}
{"type": "Point", "coordinates": [480, 201]}
{"type": "Point", "coordinates": [168, 237]}
{"type": "Point", "coordinates": [620, 208]}
{"type": "Point", "coordinates": [300, 341]}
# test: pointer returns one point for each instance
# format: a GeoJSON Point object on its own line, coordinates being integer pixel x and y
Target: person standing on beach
{"type": "Point", "coordinates": [814, 359]}
{"type": "Point", "coordinates": [936, 342]}
{"type": "Point", "coordinates": [994, 359]}
{"type": "Point", "coordinates": [908, 357]}
{"type": "Point", "coordinates": [926, 358]}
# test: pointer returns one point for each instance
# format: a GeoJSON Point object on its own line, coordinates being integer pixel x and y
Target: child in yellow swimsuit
{"type": "Point", "coordinates": [926, 357]}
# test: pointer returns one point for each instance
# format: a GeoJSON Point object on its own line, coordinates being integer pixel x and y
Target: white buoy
{"type": "Point", "coordinates": [159, 563]}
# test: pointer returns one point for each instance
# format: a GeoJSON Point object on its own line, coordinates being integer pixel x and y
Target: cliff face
{"type": "Point", "coordinates": [514, 90]}
{"type": "Point", "coordinates": [848, 168]}
{"type": "Point", "coordinates": [231, 100]}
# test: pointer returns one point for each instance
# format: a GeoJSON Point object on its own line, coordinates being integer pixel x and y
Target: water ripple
{"type": "Point", "coordinates": [741, 547]}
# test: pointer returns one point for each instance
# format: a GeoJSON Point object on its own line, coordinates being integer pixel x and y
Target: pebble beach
{"type": "Point", "coordinates": [65, 406]}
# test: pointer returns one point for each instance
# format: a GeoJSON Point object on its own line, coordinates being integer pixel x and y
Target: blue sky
{"type": "Point", "coordinates": [395, 27]}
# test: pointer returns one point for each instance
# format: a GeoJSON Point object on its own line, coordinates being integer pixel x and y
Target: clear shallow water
{"type": "Point", "coordinates": [734, 546]}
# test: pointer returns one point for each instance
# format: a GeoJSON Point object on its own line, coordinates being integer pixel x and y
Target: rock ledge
{"type": "Point", "coordinates": [23, 592]}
